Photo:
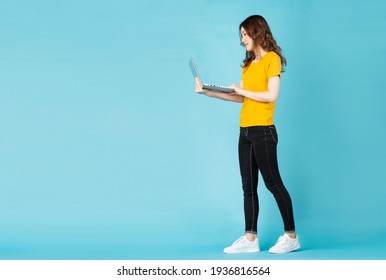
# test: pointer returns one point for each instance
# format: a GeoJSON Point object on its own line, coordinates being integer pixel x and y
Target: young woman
{"type": "Point", "coordinates": [258, 91]}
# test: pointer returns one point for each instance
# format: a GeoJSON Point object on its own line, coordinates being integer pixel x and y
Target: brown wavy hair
{"type": "Point", "coordinates": [258, 29]}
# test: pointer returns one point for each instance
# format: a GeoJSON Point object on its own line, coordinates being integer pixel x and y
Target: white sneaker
{"type": "Point", "coordinates": [285, 244]}
{"type": "Point", "coordinates": [243, 245]}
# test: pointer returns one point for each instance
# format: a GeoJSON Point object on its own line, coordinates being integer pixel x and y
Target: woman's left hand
{"type": "Point", "coordinates": [237, 89]}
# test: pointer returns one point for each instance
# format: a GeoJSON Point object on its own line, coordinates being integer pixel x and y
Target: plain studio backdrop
{"type": "Point", "coordinates": [106, 151]}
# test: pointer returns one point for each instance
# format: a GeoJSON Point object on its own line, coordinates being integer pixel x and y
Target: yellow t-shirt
{"type": "Point", "coordinates": [255, 78]}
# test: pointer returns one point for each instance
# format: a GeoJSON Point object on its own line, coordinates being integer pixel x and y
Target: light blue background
{"type": "Point", "coordinates": [106, 152]}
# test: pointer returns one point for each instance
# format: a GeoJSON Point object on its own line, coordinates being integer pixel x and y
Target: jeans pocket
{"type": "Point", "coordinates": [273, 133]}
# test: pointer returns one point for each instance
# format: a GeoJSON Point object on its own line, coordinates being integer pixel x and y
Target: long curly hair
{"type": "Point", "coordinates": [258, 29]}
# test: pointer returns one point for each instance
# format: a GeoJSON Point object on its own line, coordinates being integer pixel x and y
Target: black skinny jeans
{"type": "Point", "coordinates": [257, 152]}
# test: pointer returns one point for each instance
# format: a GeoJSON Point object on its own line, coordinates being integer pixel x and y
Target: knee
{"type": "Point", "coordinates": [248, 191]}
{"type": "Point", "coordinates": [275, 187]}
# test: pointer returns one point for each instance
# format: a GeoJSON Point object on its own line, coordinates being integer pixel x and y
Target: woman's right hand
{"type": "Point", "coordinates": [199, 88]}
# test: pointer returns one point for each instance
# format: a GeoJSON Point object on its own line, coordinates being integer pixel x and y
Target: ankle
{"type": "Point", "coordinates": [291, 234]}
{"type": "Point", "coordinates": [251, 236]}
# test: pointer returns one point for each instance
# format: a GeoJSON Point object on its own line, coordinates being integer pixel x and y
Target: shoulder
{"type": "Point", "coordinates": [273, 64]}
{"type": "Point", "coordinates": [272, 56]}
{"type": "Point", "coordinates": [273, 60]}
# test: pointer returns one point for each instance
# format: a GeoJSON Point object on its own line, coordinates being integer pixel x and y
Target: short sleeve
{"type": "Point", "coordinates": [274, 66]}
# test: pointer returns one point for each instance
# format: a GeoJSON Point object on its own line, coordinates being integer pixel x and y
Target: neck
{"type": "Point", "coordinates": [259, 53]}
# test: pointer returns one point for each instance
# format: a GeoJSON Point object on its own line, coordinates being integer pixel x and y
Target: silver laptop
{"type": "Point", "coordinates": [195, 74]}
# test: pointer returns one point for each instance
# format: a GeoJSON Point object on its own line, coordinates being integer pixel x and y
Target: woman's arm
{"type": "Point", "coordinates": [268, 96]}
{"type": "Point", "coordinates": [219, 95]}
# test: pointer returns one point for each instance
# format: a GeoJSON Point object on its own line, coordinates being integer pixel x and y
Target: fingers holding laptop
{"type": "Point", "coordinates": [199, 88]}
{"type": "Point", "coordinates": [236, 89]}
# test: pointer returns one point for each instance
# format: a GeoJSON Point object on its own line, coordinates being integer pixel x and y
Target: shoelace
{"type": "Point", "coordinates": [281, 241]}
{"type": "Point", "coordinates": [238, 240]}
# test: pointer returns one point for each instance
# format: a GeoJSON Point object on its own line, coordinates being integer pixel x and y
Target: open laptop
{"type": "Point", "coordinates": [195, 74]}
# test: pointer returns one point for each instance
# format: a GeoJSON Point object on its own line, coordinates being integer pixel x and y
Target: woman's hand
{"type": "Point", "coordinates": [199, 88]}
{"type": "Point", "coordinates": [237, 88]}
{"type": "Point", "coordinates": [220, 95]}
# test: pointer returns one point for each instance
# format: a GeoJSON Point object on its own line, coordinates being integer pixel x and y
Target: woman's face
{"type": "Point", "coordinates": [246, 40]}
